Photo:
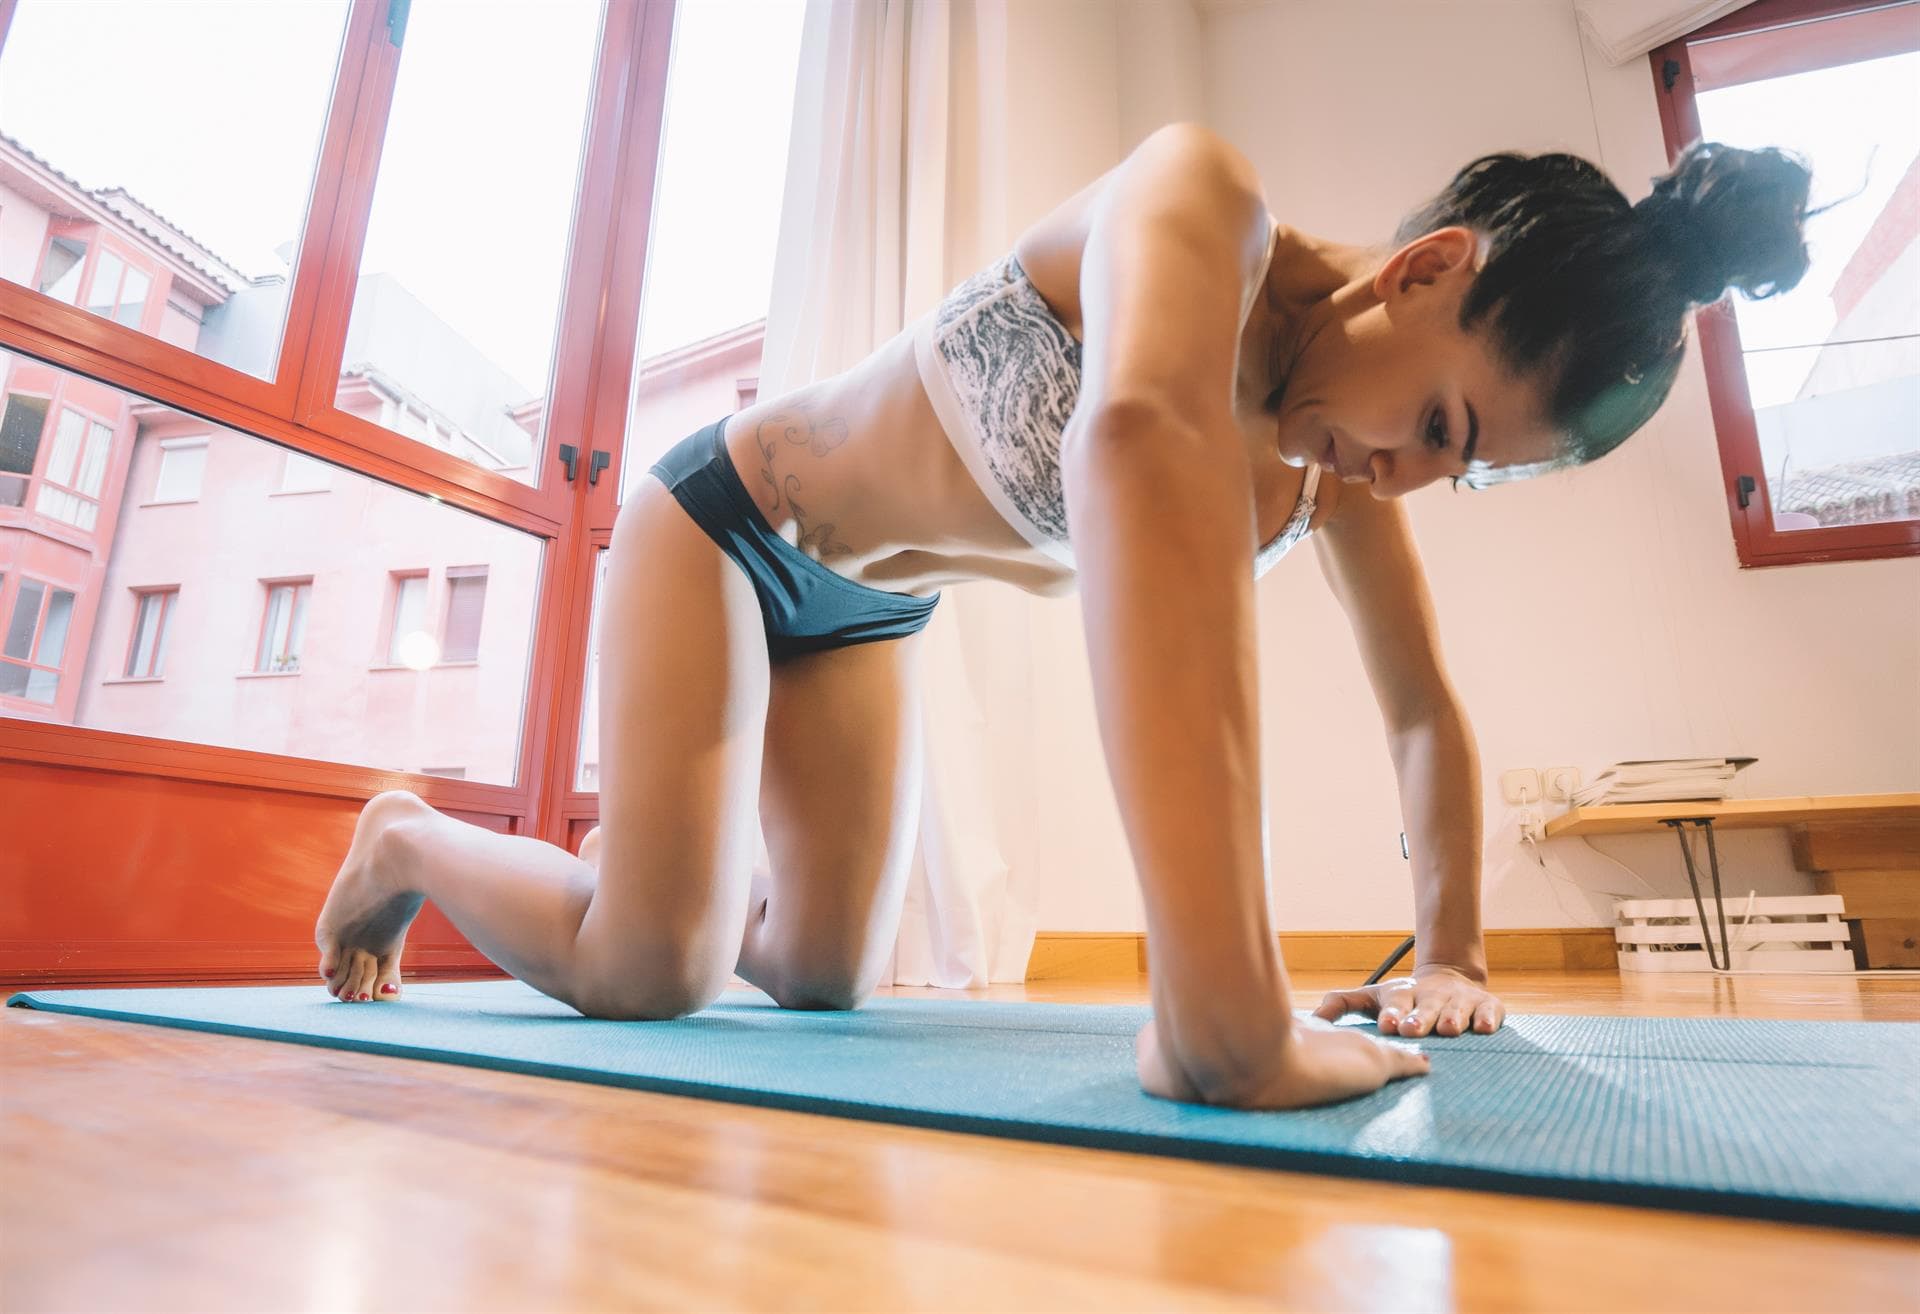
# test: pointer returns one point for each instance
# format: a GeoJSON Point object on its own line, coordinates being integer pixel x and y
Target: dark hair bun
{"type": "Point", "coordinates": [1726, 218]}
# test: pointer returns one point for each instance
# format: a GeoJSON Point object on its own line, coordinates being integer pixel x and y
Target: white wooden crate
{"type": "Point", "coordinates": [1784, 934]}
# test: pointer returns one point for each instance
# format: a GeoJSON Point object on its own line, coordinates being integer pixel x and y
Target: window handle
{"type": "Point", "coordinates": [596, 465]}
{"type": "Point", "coordinates": [570, 457]}
{"type": "Point", "coordinates": [1745, 486]}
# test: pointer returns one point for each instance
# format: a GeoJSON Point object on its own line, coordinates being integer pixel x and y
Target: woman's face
{"type": "Point", "coordinates": [1388, 391]}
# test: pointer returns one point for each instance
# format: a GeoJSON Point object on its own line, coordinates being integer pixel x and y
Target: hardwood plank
{"type": "Point", "coordinates": [158, 1169]}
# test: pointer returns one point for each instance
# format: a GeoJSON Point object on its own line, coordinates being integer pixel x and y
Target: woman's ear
{"type": "Point", "coordinates": [1425, 260]}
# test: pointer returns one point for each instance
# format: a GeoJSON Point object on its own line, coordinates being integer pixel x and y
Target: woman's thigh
{"type": "Point", "coordinates": [683, 702]}
{"type": "Point", "coordinates": [840, 807]}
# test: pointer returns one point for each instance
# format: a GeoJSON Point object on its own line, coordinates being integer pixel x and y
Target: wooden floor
{"type": "Point", "coordinates": [151, 1169]}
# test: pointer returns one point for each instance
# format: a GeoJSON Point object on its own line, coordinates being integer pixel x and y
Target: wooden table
{"type": "Point", "coordinates": [1864, 847]}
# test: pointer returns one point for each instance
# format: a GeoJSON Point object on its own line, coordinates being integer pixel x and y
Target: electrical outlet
{"type": "Point", "coordinates": [1520, 786]}
{"type": "Point", "coordinates": [1560, 782]}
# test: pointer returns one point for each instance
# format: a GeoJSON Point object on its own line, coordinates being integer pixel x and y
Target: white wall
{"type": "Point", "coordinates": [1594, 615]}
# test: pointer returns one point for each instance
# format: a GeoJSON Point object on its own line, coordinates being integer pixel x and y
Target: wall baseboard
{"type": "Point", "coordinates": [1110, 955]}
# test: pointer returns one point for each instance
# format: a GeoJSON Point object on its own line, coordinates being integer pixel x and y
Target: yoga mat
{"type": "Point", "coordinates": [1813, 1122]}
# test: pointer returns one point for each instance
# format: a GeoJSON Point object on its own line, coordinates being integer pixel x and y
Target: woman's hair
{"type": "Point", "coordinates": [1591, 294]}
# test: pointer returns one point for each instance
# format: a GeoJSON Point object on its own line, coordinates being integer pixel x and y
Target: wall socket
{"type": "Point", "coordinates": [1560, 782]}
{"type": "Point", "coordinates": [1521, 785]}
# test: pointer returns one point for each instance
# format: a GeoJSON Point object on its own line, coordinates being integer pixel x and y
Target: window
{"type": "Point", "coordinates": [36, 642]}
{"type": "Point", "coordinates": [1814, 392]}
{"type": "Point", "coordinates": [455, 316]}
{"type": "Point", "coordinates": [186, 134]}
{"type": "Point", "coordinates": [183, 462]}
{"type": "Point", "coordinates": [222, 558]}
{"type": "Point", "coordinates": [60, 277]}
{"type": "Point", "coordinates": [70, 488]}
{"type": "Point", "coordinates": [466, 595]}
{"type": "Point", "coordinates": [409, 623]}
{"type": "Point", "coordinates": [303, 474]}
{"type": "Point", "coordinates": [284, 628]}
{"type": "Point", "coordinates": [20, 430]}
{"type": "Point", "coordinates": [147, 651]}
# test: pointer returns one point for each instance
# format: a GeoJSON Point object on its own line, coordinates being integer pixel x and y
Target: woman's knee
{"type": "Point", "coordinates": [823, 984]}
{"type": "Point", "coordinates": [652, 983]}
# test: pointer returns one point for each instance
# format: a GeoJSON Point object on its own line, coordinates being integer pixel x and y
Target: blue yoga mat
{"type": "Point", "coordinates": [1804, 1121]}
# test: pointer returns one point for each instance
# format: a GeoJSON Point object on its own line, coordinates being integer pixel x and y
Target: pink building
{"type": "Point", "coordinates": [163, 575]}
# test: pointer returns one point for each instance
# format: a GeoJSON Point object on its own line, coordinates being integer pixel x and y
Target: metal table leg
{"type": "Point", "coordinates": [1725, 961]}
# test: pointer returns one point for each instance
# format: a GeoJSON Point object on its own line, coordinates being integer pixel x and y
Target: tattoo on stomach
{"type": "Point", "coordinates": [784, 431]}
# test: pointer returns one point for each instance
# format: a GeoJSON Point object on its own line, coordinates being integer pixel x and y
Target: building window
{"type": "Point", "coordinates": [20, 430]}
{"type": "Point", "coordinates": [36, 642]}
{"type": "Point", "coordinates": [70, 488]}
{"type": "Point", "coordinates": [66, 259]}
{"type": "Point", "coordinates": [182, 463]}
{"type": "Point", "coordinates": [284, 628]}
{"type": "Point", "coordinates": [147, 650]}
{"type": "Point", "coordinates": [1814, 391]}
{"type": "Point", "coordinates": [466, 597]}
{"type": "Point", "coordinates": [407, 637]}
{"type": "Point", "coordinates": [303, 474]}
{"type": "Point", "coordinates": [118, 291]}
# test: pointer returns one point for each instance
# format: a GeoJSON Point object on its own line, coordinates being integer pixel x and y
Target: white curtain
{"type": "Point", "coordinates": [895, 192]}
{"type": "Point", "coordinates": [1627, 29]}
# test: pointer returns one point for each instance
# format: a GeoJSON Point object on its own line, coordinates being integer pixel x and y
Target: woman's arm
{"type": "Point", "coordinates": [1159, 498]}
{"type": "Point", "coordinates": [1368, 556]}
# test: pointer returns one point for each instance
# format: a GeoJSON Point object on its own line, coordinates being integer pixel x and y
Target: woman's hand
{"type": "Point", "coordinates": [1318, 1064]}
{"type": "Point", "coordinates": [1436, 998]}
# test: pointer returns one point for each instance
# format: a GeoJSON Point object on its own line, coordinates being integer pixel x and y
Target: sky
{"type": "Point", "coordinates": [210, 113]}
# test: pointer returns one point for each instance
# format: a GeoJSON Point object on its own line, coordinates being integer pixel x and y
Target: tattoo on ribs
{"type": "Point", "coordinates": [791, 429]}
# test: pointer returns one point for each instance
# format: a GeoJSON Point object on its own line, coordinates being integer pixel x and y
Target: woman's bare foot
{"type": "Point", "coordinates": [363, 925]}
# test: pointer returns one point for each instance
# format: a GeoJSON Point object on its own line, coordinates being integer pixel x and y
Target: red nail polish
{"type": "Point", "coordinates": [363, 995]}
{"type": "Point", "coordinates": [389, 988]}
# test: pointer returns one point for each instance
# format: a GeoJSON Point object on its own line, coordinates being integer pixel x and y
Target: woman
{"type": "Point", "coordinates": [1161, 365]}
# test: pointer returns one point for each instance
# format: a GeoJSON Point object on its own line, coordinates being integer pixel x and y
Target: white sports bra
{"type": "Point", "coordinates": [1003, 375]}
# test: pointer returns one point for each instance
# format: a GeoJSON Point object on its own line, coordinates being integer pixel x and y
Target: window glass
{"type": "Point", "coordinates": [466, 599]}
{"type": "Point", "coordinates": [586, 775]}
{"type": "Point", "coordinates": [20, 430]}
{"type": "Point", "coordinates": [409, 611]}
{"type": "Point", "coordinates": [148, 657]}
{"type": "Point", "coordinates": [26, 619]}
{"type": "Point", "coordinates": [105, 292]}
{"type": "Point", "coordinates": [182, 465]}
{"type": "Point", "coordinates": [453, 325]}
{"type": "Point", "coordinates": [60, 277]}
{"type": "Point", "coordinates": [1833, 367]}
{"type": "Point", "coordinates": [188, 131]}
{"type": "Point", "coordinates": [716, 218]}
{"type": "Point", "coordinates": [303, 474]}
{"type": "Point", "coordinates": [260, 579]}
{"type": "Point", "coordinates": [133, 299]}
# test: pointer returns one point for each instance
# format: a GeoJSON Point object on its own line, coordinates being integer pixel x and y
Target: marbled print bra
{"type": "Point", "coordinates": [1003, 375]}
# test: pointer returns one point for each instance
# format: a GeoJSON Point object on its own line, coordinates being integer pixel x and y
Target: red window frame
{"type": "Point", "coordinates": [156, 664]}
{"type": "Point", "coordinates": [1749, 499]}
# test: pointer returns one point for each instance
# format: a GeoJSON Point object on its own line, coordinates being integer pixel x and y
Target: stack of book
{"type": "Point", "coordinates": [1662, 780]}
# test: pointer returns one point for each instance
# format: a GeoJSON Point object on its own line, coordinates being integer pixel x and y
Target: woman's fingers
{"type": "Point", "coordinates": [1489, 1015]}
{"type": "Point", "coordinates": [1396, 1007]}
{"type": "Point", "coordinates": [1339, 1003]}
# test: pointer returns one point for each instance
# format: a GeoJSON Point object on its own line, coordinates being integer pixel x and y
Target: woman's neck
{"type": "Point", "coordinates": [1303, 294]}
